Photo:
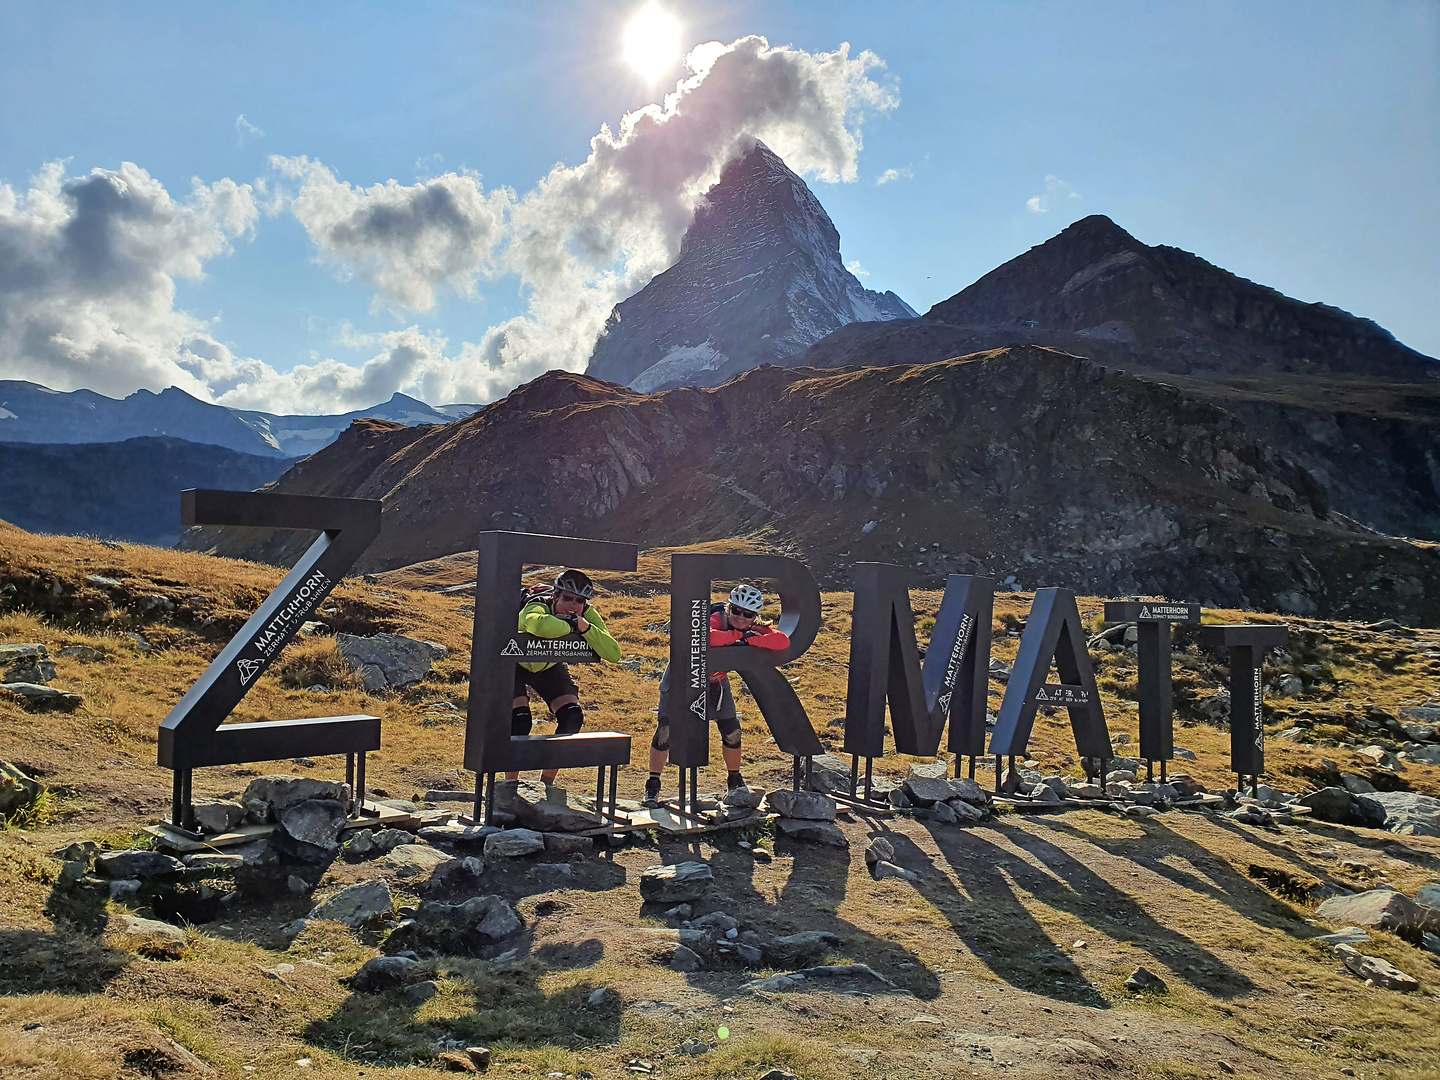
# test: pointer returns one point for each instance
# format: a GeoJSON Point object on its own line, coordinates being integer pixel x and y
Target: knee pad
{"type": "Point", "coordinates": [569, 720]}
{"type": "Point", "coordinates": [661, 741]}
{"type": "Point", "coordinates": [729, 731]}
{"type": "Point", "coordinates": [520, 721]}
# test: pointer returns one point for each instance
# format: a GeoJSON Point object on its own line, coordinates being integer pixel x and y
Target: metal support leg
{"type": "Point", "coordinates": [1149, 771]}
{"type": "Point", "coordinates": [972, 766]}
{"type": "Point", "coordinates": [479, 808]}
{"type": "Point", "coordinates": [350, 783]}
{"type": "Point", "coordinates": [1162, 772]}
{"type": "Point", "coordinates": [809, 772]}
{"type": "Point", "coordinates": [869, 778]}
{"type": "Point", "coordinates": [795, 775]}
{"type": "Point", "coordinates": [360, 781]}
{"type": "Point", "coordinates": [187, 808]}
{"type": "Point", "coordinates": [489, 797]}
{"type": "Point", "coordinates": [695, 790]}
{"type": "Point", "coordinates": [177, 799]}
{"type": "Point", "coordinates": [614, 785]}
{"type": "Point", "coordinates": [999, 769]}
{"type": "Point", "coordinates": [599, 789]}
{"type": "Point", "coordinates": [854, 774]}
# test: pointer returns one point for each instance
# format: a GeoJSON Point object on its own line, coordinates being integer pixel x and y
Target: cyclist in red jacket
{"type": "Point", "coordinates": [733, 623]}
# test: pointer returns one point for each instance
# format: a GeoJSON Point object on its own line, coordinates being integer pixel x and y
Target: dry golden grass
{"type": "Point", "coordinates": [986, 941]}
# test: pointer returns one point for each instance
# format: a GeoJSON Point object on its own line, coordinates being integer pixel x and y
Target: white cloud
{"type": "Point", "coordinates": [891, 175]}
{"type": "Point", "coordinates": [88, 264]}
{"type": "Point", "coordinates": [855, 268]}
{"type": "Point", "coordinates": [1056, 191]}
{"type": "Point", "coordinates": [87, 278]}
{"type": "Point", "coordinates": [246, 130]}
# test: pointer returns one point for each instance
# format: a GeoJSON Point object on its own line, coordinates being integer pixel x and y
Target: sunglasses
{"type": "Point", "coordinates": [572, 598]}
{"type": "Point", "coordinates": [741, 613]}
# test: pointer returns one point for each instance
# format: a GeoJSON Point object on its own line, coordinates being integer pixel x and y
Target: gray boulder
{"type": "Point", "coordinates": [124, 924]}
{"type": "Point", "coordinates": [44, 697]}
{"type": "Point", "coordinates": [25, 664]}
{"type": "Point", "coordinates": [532, 809]}
{"type": "Point", "coordinates": [357, 905]}
{"type": "Point", "coordinates": [941, 812]}
{"type": "Point", "coordinates": [1380, 909]}
{"type": "Point", "coordinates": [513, 843]}
{"type": "Point", "coordinates": [965, 813]}
{"type": "Point", "coordinates": [382, 973]}
{"type": "Point", "coordinates": [1375, 970]}
{"type": "Point", "coordinates": [814, 832]}
{"type": "Point", "coordinates": [880, 850]}
{"type": "Point", "coordinates": [415, 860]}
{"type": "Point", "coordinates": [568, 844]}
{"type": "Point", "coordinates": [927, 790]}
{"type": "Point", "coordinates": [267, 797]}
{"type": "Point", "coordinates": [460, 928]}
{"type": "Point", "coordinates": [685, 959]}
{"type": "Point", "coordinates": [1429, 894]}
{"type": "Point", "coordinates": [929, 770]}
{"type": "Point", "coordinates": [1328, 804]}
{"type": "Point", "coordinates": [743, 798]}
{"type": "Point", "coordinates": [389, 660]}
{"type": "Point", "coordinates": [456, 833]}
{"type": "Point", "coordinates": [1044, 793]}
{"type": "Point", "coordinates": [83, 654]}
{"type": "Point", "coordinates": [676, 883]}
{"type": "Point", "coordinates": [808, 805]}
{"type": "Point", "coordinates": [1409, 813]}
{"type": "Point", "coordinates": [457, 875]}
{"type": "Point", "coordinates": [802, 948]}
{"type": "Point", "coordinates": [314, 822]}
{"type": "Point", "coordinates": [125, 865]}
{"type": "Point", "coordinates": [829, 774]}
{"type": "Point", "coordinates": [218, 815]}
{"type": "Point", "coordinates": [886, 869]}
{"type": "Point", "coordinates": [17, 788]}
{"type": "Point", "coordinates": [967, 790]}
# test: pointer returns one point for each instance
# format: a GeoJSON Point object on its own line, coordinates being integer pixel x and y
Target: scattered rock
{"type": "Point", "coordinates": [693, 1047]}
{"type": "Point", "coordinates": [122, 865]}
{"type": "Point", "coordinates": [456, 928]}
{"type": "Point", "coordinates": [1429, 894]}
{"type": "Point", "coordinates": [1349, 935]}
{"type": "Point", "coordinates": [421, 992]}
{"type": "Point", "coordinates": [679, 912]}
{"type": "Point", "coordinates": [1375, 970]}
{"type": "Point", "coordinates": [513, 843]}
{"type": "Point", "coordinates": [750, 954]}
{"type": "Point", "coordinates": [1289, 686]}
{"type": "Point", "coordinates": [138, 640]}
{"type": "Point", "coordinates": [1328, 804]}
{"type": "Point", "coordinates": [968, 791]}
{"type": "Point", "coordinates": [268, 797]}
{"type": "Point", "coordinates": [1044, 793]}
{"type": "Point", "coordinates": [717, 921]}
{"type": "Point", "coordinates": [532, 809]}
{"type": "Point", "coordinates": [1409, 813]}
{"type": "Point", "coordinates": [685, 959]}
{"type": "Point", "coordinates": [479, 1055]}
{"type": "Point", "coordinates": [1142, 979]}
{"type": "Point", "coordinates": [801, 805]}
{"type": "Point", "coordinates": [743, 798]}
{"type": "Point", "coordinates": [676, 883]}
{"type": "Point", "coordinates": [928, 790]}
{"type": "Point", "coordinates": [1380, 909]}
{"type": "Point", "coordinates": [815, 832]}
{"type": "Point", "coordinates": [805, 946]}
{"type": "Point", "coordinates": [456, 833]}
{"type": "Point", "coordinates": [567, 844]}
{"type": "Point", "coordinates": [18, 789]}
{"type": "Point", "coordinates": [450, 1061]}
{"type": "Point", "coordinates": [44, 697]}
{"type": "Point", "coordinates": [126, 925]}
{"type": "Point", "coordinates": [880, 850]}
{"type": "Point", "coordinates": [26, 664]}
{"type": "Point", "coordinates": [415, 860]}
{"type": "Point", "coordinates": [310, 831]}
{"type": "Point", "coordinates": [83, 654]}
{"type": "Point", "coordinates": [1141, 811]}
{"type": "Point", "coordinates": [382, 973]}
{"type": "Point", "coordinates": [372, 843]}
{"type": "Point", "coordinates": [1087, 791]}
{"type": "Point", "coordinates": [358, 905]}
{"type": "Point", "coordinates": [885, 870]}
{"type": "Point", "coordinates": [940, 812]}
{"type": "Point", "coordinates": [389, 660]}
{"type": "Point", "coordinates": [297, 884]}
{"type": "Point", "coordinates": [218, 816]}
{"type": "Point", "coordinates": [965, 813]}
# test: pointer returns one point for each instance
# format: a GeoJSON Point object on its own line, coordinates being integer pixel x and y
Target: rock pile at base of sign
{"type": "Point", "coordinates": [806, 815]}
{"type": "Point", "coordinates": [676, 883]}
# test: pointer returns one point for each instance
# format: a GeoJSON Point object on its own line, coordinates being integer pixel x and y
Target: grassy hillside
{"type": "Point", "coordinates": [1016, 938]}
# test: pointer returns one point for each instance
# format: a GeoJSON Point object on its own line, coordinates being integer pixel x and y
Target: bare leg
{"type": "Point", "coordinates": [732, 757]}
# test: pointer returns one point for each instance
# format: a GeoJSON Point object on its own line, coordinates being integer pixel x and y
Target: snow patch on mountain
{"type": "Point", "coordinates": [679, 365]}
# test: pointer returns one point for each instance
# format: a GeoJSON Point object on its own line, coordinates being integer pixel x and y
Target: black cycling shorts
{"type": "Point", "coordinates": [551, 683]}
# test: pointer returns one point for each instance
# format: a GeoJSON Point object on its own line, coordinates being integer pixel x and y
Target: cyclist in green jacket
{"type": "Point", "coordinates": [558, 612]}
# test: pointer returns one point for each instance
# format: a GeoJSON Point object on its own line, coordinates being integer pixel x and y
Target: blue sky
{"type": "Point", "coordinates": [1295, 144]}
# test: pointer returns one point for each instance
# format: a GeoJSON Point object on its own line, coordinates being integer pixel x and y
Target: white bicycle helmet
{"type": "Point", "coordinates": [747, 597]}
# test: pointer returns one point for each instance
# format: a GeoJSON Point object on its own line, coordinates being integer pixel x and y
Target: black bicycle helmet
{"type": "Point", "coordinates": [576, 583]}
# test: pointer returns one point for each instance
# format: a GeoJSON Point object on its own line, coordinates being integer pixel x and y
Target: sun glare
{"type": "Point", "coordinates": [652, 41]}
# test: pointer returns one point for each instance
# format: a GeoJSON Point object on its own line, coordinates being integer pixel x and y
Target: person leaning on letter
{"type": "Point", "coordinates": [558, 612]}
{"type": "Point", "coordinates": [734, 623]}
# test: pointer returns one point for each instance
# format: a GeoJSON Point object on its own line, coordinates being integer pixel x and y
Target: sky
{"type": "Point", "coordinates": [305, 208]}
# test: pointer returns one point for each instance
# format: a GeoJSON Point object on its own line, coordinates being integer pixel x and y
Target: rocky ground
{"type": "Point", "coordinates": [1143, 935]}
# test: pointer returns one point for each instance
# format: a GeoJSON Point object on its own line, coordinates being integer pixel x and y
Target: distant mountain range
{"type": "Point", "coordinates": [30, 413]}
{"type": "Point", "coordinates": [759, 278]}
{"type": "Point", "coordinates": [120, 490]}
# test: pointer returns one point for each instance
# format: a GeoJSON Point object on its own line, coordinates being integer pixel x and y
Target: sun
{"type": "Point", "coordinates": [652, 41]}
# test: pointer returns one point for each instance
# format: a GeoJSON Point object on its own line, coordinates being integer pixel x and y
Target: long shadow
{"type": "Point", "coordinates": [392, 1029]}
{"type": "Point", "coordinates": [69, 959]}
{"type": "Point", "coordinates": [808, 901]}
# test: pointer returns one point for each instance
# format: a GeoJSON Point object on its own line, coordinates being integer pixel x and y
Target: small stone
{"type": "Point", "coordinates": [421, 992]}
{"type": "Point", "coordinates": [1142, 979]}
{"type": "Point", "coordinates": [479, 1055]}
{"type": "Point", "coordinates": [1379, 909]}
{"type": "Point", "coordinates": [127, 925]}
{"type": "Point", "coordinates": [82, 654]}
{"type": "Point", "coordinates": [927, 791]}
{"type": "Point", "coordinates": [44, 697]}
{"type": "Point", "coordinates": [382, 973]}
{"type": "Point", "coordinates": [18, 789]}
{"type": "Point", "coordinates": [597, 997]}
{"type": "Point", "coordinates": [450, 1061]}
{"type": "Point", "coordinates": [750, 954]}
{"type": "Point", "coordinates": [717, 921]}
{"type": "Point", "coordinates": [678, 882]}
{"type": "Point", "coordinates": [679, 911]}
{"type": "Point", "coordinates": [685, 959]}
{"type": "Point", "coordinates": [743, 798]}
{"type": "Point", "coordinates": [415, 860]}
{"type": "Point", "coordinates": [456, 833]}
{"type": "Point", "coordinates": [880, 850]}
{"type": "Point", "coordinates": [968, 791]}
{"type": "Point", "coordinates": [357, 905]}
{"type": "Point", "coordinates": [217, 815]}
{"type": "Point", "coordinates": [297, 884]}
{"type": "Point", "coordinates": [885, 870]}
{"type": "Point", "coordinates": [122, 888]}
{"type": "Point", "coordinates": [1141, 811]}
{"type": "Point", "coordinates": [1350, 935]}
{"type": "Point", "coordinates": [1226, 1067]}
{"type": "Point", "coordinates": [567, 844]}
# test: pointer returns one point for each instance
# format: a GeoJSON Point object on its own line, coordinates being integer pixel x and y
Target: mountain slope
{"type": "Point", "coordinates": [120, 491]}
{"type": "Point", "coordinates": [1087, 478]}
{"type": "Point", "coordinates": [758, 279]}
{"type": "Point", "coordinates": [30, 413]}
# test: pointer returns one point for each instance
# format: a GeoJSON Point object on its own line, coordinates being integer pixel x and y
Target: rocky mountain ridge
{"type": "Point", "coordinates": [1088, 478]}
{"type": "Point", "coordinates": [758, 279]}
